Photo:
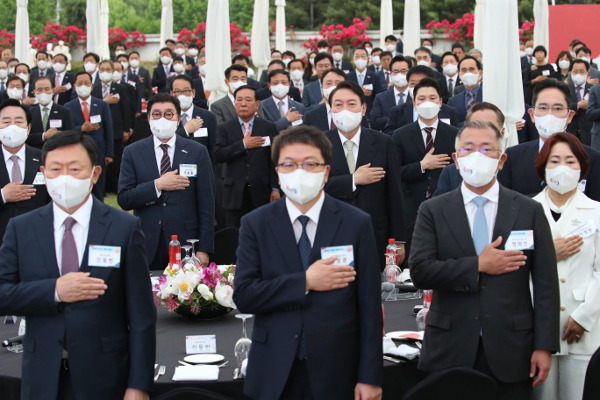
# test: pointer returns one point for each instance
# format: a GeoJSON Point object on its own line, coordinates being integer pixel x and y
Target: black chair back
{"type": "Point", "coordinates": [454, 384]}
{"type": "Point", "coordinates": [591, 387]}
{"type": "Point", "coordinates": [226, 242]}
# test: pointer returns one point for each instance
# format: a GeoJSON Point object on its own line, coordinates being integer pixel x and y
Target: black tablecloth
{"type": "Point", "coordinates": [172, 329]}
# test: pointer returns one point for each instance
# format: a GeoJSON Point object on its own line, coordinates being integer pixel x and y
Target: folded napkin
{"type": "Point", "coordinates": [404, 351]}
{"type": "Point", "coordinates": [196, 373]}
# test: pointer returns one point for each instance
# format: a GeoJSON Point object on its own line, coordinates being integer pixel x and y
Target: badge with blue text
{"type": "Point", "coordinates": [344, 254]}
{"type": "Point", "coordinates": [39, 179]}
{"type": "Point", "coordinates": [104, 256]}
{"type": "Point", "coordinates": [189, 170]}
{"type": "Point", "coordinates": [519, 240]}
{"type": "Point", "coordinates": [586, 230]}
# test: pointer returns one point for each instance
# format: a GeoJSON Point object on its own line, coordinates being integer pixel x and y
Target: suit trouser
{"type": "Point", "coordinates": [565, 379]}
{"type": "Point", "coordinates": [297, 386]}
{"type": "Point", "coordinates": [114, 168]}
{"type": "Point", "coordinates": [65, 383]}
{"type": "Point", "coordinates": [234, 217]}
{"type": "Point", "coordinates": [506, 391]}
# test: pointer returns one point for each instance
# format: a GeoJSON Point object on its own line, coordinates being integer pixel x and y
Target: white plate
{"type": "Point", "coordinates": [204, 358]}
{"type": "Point", "coordinates": [405, 335]}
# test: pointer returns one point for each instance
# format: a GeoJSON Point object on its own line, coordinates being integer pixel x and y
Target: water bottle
{"type": "Point", "coordinates": [422, 315]}
{"type": "Point", "coordinates": [392, 249]}
{"type": "Point", "coordinates": [391, 273]}
{"type": "Point", "coordinates": [174, 253]}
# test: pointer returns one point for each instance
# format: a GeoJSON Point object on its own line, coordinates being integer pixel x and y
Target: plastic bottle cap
{"type": "Point", "coordinates": [390, 241]}
{"type": "Point", "coordinates": [174, 237]}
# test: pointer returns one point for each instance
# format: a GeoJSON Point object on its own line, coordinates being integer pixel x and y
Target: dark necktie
{"type": "Point", "coordinates": [450, 87]}
{"type": "Point", "coordinates": [387, 77]}
{"type": "Point", "coordinates": [2, 87]}
{"type": "Point", "coordinates": [470, 101]}
{"type": "Point", "coordinates": [428, 145]}
{"type": "Point", "coordinates": [41, 73]}
{"type": "Point", "coordinates": [580, 93]}
{"type": "Point", "coordinates": [69, 260]}
{"type": "Point", "coordinates": [165, 161]}
{"type": "Point", "coordinates": [304, 248]}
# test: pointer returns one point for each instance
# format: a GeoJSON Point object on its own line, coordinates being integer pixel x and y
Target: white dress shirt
{"type": "Point", "coordinates": [422, 126]}
{"type": "Point", "coordinates": [286, 104]}
{"type": "Point", "coordinates": [231, 98]}
{"type": "Point", "coordinates": [490, 208]}
{"type": "Point", "coordinates": [158, 152]}
{"type": "Point", "coordinates": [313, 218]}
{"type": "Point", "coordinates": [397, 93]}
{"type": "Point", "coordinates": [9, 164]}
{"type": "Point", "coordinates": [329, 116]}
{"type": "Point", "coordinates": [89, 104]}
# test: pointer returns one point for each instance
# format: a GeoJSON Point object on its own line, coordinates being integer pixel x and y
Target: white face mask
{"type": "Point", "coordinates": [11, 70]}
{"type": "Point", "coordinates": [44, 98]}
{"type": "Point", "coordinates": [42, 64]}
{"type": "Point", "coordinates": [61, 42]}
{"type": "Point", "coordinates": [119, 52]}
{"type": "Point", "coordinates": [390, 47]}
{"type": "Point", "coordinates": [578, 79]}
{"type": "Point", "coordinates": [301, 186]}
{"type": "Point", "coordinates": [105, 76]}
{"type": "Point", "coordinates": [134, 62]}
{"type": "Point", "coordinates": [549, 125]}
{"type": "Point", "coordinates": [185, 101]}
{"type": "Point", "coordinates": [166, 60]}
{"type": "Point", "coordinates": [250, 73]}
{"type": "Point", "coordinates": [429, 47]}
{"type": "Point", "coordinates": [163, 128]}
{"type": "Point", "coordinates": [233, 86]}
{"type": "Point", "coordinates": [83, 91]}
{"type": "Point", "coordinates": [424, 63]}
{"type": "Point", "coordinates": [323, 50]}
{"type": "Point", "coordinates": [522, 53]}
{"type": "Point", "coordinates": [311, 61]}
{"type": "Point", "coordinates": [23, 76]}
{"type": "Point", "coordinates": [178, 67]}
{"type": "Point", "coordinates": [3, 73]}
{"type": "Point", "coordinates": [360, 64]}
{"type": "Point", "coordinates": [399, 80]}
{"type": "Point", "coordinates": [562, 179]}
{"type": "Point", "coordinates": [469, 79]}
{"type": "Point", "coordinates": [58, 67]}
{"type": "Point", "coordinates": [15, 93]}
{"type": "Point", "coordinates": [327, 92]}
{"type": "Point", "coordinates": [410, 91]}
{"type": "Point", "coordinates": [369, 50]}
{"type": "Point", "coordinates": [180, 51]}
{"type": "Point", "coordinates": [296, 75]}
{"type": "Point", "coordinates": [286, 61]}
{"type": "Point", "coordinates": [280, 91]}
{"type": "Point", "coordinates": [428, 110]}
{"type": "Point", "coordinates": [476, 169]}
{"type": "Point", "coordinates": [202, 70]}
{"type": "Point", "coordinates": [346, 120]}
{"type": "Point", "coordinates": [125, 65]}
{"type": "Point", "coordinates": [337, 56]}
{"type": "Point", "coordinates": [89, 67]}
{"type": "Point", "coordinates": [376, 60]}
{"type": "Point", "coordinates": [13, 136]}
{"type": "Point", "coordinates": [529, 51]}
{"type": "Point", "coordinates": [587, 59]}
{"type": "Point", "coordinates": [68, 191]}
{"type": "Point", "coordinates": [193, 52]}
{"type": "Point", "coordinates": [450, 69]}
{"type": "Point", "coordinates": [117, 76]}
{"type": "Point", "coordinates": [564, 64]}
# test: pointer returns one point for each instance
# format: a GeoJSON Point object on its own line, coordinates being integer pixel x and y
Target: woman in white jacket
{"type": "Point", "coordinates": [574, 220]}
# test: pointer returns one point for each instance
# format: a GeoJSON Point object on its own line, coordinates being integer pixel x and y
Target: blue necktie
{"type": "Point", "coordinates": [304, 248]}
{"type": "Point", "coordinates": [480, 228]}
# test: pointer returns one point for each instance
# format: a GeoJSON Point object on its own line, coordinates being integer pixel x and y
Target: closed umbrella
{"type": "Point", "coordinates": [166, 21]}
{"type": "Point", "coordinates": [541, 32]}
{"type": "Point", "coordinates": [92, 14]}
{"type": "Point", "coordinates": [22, 31]}
{"type": "Point", "coordinates": [412, 26]}
{"type": "Point", "coordinates": [280, 26]}
{"type": "Point", "coordinates": [259, 39]}
{"type": "Point", "coordinates": [502, 83]}
{"type": "Point", "coordinates": [386, 26]}
{"type": "Point", "coordinates": [104, 50]}
{"type": "Point", "coordinates": [218, 48]}
{"type": "Point", "coordinates": [478, 28]}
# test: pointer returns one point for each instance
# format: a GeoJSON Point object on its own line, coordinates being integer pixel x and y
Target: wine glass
{"type": "Point", "coordinates": [195, 259]}
{"type": "Point", "coordinates": [188, 257]}
{"type": "Point", "coordinates": [242, 346]}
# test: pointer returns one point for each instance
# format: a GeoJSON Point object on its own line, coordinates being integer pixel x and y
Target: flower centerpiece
{"type": "Point", "coordinates": [196, 291]}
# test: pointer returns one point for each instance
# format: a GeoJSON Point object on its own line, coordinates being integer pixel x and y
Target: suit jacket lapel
{"type": "Point", "coordinates": [418, 138]}
{"type": "Point", "coordinates": [44, 231]}
{"type": "Point", "coordinates": [456, 216]}
{"type": "Point", "coordinates": [282, 229]}
{"type": "Point", "coordinates": [329, 221]}
{"type": "Point", "coordinates": [97, 230]}
{"type": "Point", "coordinates": [3, 171]}
{"type": "Point", "coordinates": [338, 159]}
{"type": "Point", "coordinates": [366, 150]}
{"type": "Point", "coordinates": [180, 154]}
{"type": "Point", "coordinates": [150, 158]}
{"type": "Point", "coordinates": [508, 209]}
{"type": "Point", "coordinates": [30, 170]}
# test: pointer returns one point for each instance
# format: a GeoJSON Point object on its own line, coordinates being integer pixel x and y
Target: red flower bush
{"type": "Point", "coordinates": [460, 30]}
{"type": "Point", "coordinates": [239, 43]}
{"type": "Point", "coordinates": [7, 39]}
{"type": "Point", "coordinates": [289, 29]}
{"type": "Point", "coordinates": [353, 35]}
{"type": "Point", "coordinates": [53, 33]}
{"type": "Point", "coordinates": [526, 31]}
{"type": "Point", "coordinates": [129, 39]}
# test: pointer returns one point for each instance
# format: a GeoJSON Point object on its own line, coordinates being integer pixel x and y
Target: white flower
{"type": "Point", "coordinates": [183, 285]}
{"type": "Point", "coordinates": [224, 294]}
{"type": "Point", "coordinates": [205, 292]}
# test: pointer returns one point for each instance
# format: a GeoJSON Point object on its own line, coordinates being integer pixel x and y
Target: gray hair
{"type": "Point", "coordinates": [473, 51]}
{"type": "Point", "coordinates": [481, 125]}
{"type": "Point", "coordinates": [112, 65]}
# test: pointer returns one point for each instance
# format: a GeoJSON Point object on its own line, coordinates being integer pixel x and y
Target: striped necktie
{"type": "Point", "coordinates": [165, 161]}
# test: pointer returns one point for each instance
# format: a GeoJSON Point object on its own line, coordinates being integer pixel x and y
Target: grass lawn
{"type": "Point", "coordinates": [111, 200]}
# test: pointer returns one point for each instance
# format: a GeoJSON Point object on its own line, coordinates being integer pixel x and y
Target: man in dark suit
{"type": "Point", "coordinates": [224, 109]}
{"type": "Point", "coordinates": [3, 77]}
{"type": "Point", "coordinates": [63, 80]}
{"type": "Point", "coordinates": [47, 117]}
{"type": "Point", "coordinates": [19, 165]}
{"type": "Point", "coordinates": [394, 96]}
{"type": "Point", "coordinates": [311, 301]}
{"type": "Point", "coordinates": [265, 92]}
{"type": "Point", "coordinates": [549, 96]}
{"type": "Point", "coordinates": [132, 96]}
{"type": "Point", "coordinates": [243, 146]}
{"type": "Point", "coordinates": [44, 66]}
{"type": "Point", "coordinates": [243, 60]}
{"type": "Point", "coordinates": [436, 61]}
{"type": "Point", "coordinates": [460, 250]}
{"type": "Point", "coordinates": [163, 70]}
{"type": "Point", "coordinates": [470, 73]}
{"type": "Point", "coordinates": [141, 129]}
{"type": "Point", "coordinates": [92, 117]}
{"type": "Point", "coordinates": [423, 55]}
{"type": "Point", "coordinates": [299, 80]}
{"type": "Point", "coordinates": [280, 108]}
{"type": "Point", "coordinates": [76, 270]}
{"type": "Point", "coordinates": [23, 72]}
{"type": "Point", "coordinates": [90, 65]}
{"type": "Point", "coordinates": [337, 53]}
{"type": "Point", "coordinates": [592, 113]}
{"type": "Point", "coordinates": [313, 93]}
{"type": "Point", "coordinates": [367, 80]}
{"type": "Point", "coordinates": [450, 82]}
{"type": "Point", "coordinates": [364, 167]}
{"type": "Point", "coordinates": [320, 116]}
{"type": "Point", "coordinates": [424, 148]}
{"type": "Point", "coordinates": [580, 126]}
{"type": "Point", "coordinates": [167, 181]}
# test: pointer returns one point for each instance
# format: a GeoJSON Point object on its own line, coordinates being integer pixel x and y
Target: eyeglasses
{"type": "Point", "coordinates": [186, 92]}
{"type": "Point", "coordinates": [167, 114]}
{"type": "Point", "coordinates": [400, 71]}
{"type": "Point", "coordinates": [308, 166]}
{"type": "Point", "coordinates": [468, 150]}
{"type": "Point", "coordinates": [555, 110]}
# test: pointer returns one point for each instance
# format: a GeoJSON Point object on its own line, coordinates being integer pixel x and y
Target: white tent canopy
{"type": "Point", "coordinates": [218, 48]}
{"type": "Point", "coordinates": [478, 28]}
{"type": "Point", "coordinates": [412, 26]}
{"type": "Point", "coordinates": [92, 12]}
{"type": "Point", "coordinates": [541, 31]}
{"type": "Point", "coordinates": [104, 50]}
{"type": "Point", "coordinates": [22, 31]}
{"type": "Point", "coordinates": [280, 25]}
{"type": "Point", "coordinates": [387, 22]}
{"type": "Point", "coordinates": [502, 72]}
{"type": "Point", "coordinates": [166, 22]}
{"type": "Point", "coordinates": [259, 40]}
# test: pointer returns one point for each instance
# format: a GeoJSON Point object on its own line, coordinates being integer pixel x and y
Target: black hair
{"type": "Point", "coordinates": [16, 103]}
{"type": "Point", "coordinates": [305, 134]}
{"type": "Point", "coordinates": [426, 82]}
{"type": "Point", "coordinates": [163, 98]}
{"type": "Point", "coordinates": [235, 67]}
{"type": "Point", "coordinates": [68, 138]}
{"type": "Point", "coordinates": [96, 56]}
{"type": "Point", "coordinates": [477, 62]}
{"type": "Point", "coordinates": [182, 77]}
{"type": "Point", "coordinates": [350, 85]}
{"type": "Point", "coordinates": [551, 83]}
{"type": "Point", "coordinates": [421, 70]}
{"type": "Point", "coordinates": [277, 72]}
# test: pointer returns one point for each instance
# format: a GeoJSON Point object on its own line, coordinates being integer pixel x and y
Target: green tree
{"type": "Point", "coordinates": [39, 12]}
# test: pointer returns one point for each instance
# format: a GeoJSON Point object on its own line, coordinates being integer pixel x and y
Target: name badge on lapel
{"type": "Point", "coordinates": [189, 170]}
{"type": "Point", "coordinates": [519, 240]}
{"type": "Point", "coordinates": [344, 254]}
{"type": "Point", "coordinates": [586, 230]}
{"type": "Point", "coordinates": [201, 132]}
{"type": "Point", "coordinates": [104, 256]}
{"type": "Point", "coordinates": [68, 86]}
{"type": "Point", "coordinates": [267, 142]}
{"type": "Point", "coordinates": [95, 119]}
{"type": "Point", "coordinates": [39, 179]}
{"type": "Point", "coordinates": [56, 123]}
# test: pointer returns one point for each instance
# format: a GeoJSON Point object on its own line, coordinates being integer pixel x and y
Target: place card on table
{"type": "Point", "coordinates": [196, 344]}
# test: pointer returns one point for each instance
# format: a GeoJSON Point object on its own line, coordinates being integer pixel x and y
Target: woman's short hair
{"type": "Point", "coordinates": [575, 146]}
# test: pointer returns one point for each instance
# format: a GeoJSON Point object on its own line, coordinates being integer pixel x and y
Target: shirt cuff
{"type": "Point", "coordinates": [421, 165]}
{"type": "Point", "coordinates": [2, 193]}
{"type": "Point", "coordinates": [56, 298]}
{"type": "Point", "coordinates": [353, 184]}
{"type": "Point", "coordinates": [158, 192]}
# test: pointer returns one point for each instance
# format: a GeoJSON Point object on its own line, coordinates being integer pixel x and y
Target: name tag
{"type": "Point", "coordinates": [344, 254]}
{"type": "Point", "coordinates": [104, 256]}
{"type": "Point", "coordinates": [445, 120]}
{"type": "Point", "coordinates": [581, 185]}
{"type": "Point", "coordinates": [202, 132]}
{"type": "Point", "coordinates": [519, 240]}
{"type": "Point", "coordinates": [200, 344]}
{"type": "Point", "coordinates": [546, 73]}
{"type": "Point", "coordinates": [189, 170]}
{"type": "Point", "coordinates": [346, 71]}
{"type": "Point", "coordinates": [368, 86]}
{"type": "Point", "coordinates": [586, 230]}
{"type": "Point", "coordinates": [95, 119]}
{"type": "Point", "coordinates": [297, 122]}
{"type": "Point", "coordinates": [115, 95]}
{"type": "Point", "coordinates": [587, 96]}
{"type": "Point", "coordinates": [56, 123]}
{"type": "Point", "coordinates": [267, 142]}
{"type": "Point", "coordinates": [68, 86]}
{"type": "Point", "coordinates": [132, 83]}
{"type": "Point", "coordinates": [144, 105]}
{"type": "Point", "coordinates": [39, 179]}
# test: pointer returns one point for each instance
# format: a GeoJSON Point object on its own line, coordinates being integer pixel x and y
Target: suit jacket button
{"type": "Point", "coordinates": [164, 204]}
{"type": "Point", "coordinates": [160, 222]}
{"type": "Point", "coordinates": [563, 280]}
{"type": "Point", "coordinates": [295, 336]}
{"type": "Point", "coordinates": [68, 309]}
{"type": "Point", "coordinates": [562, 308]}
{"type": "Point", "coordinates": [476, 317]}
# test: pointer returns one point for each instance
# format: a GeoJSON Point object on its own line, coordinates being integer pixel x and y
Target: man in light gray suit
{"type": "Point", "coordinates": [236, 76]}
{"type": "Point", "coordinates": [280, 108]}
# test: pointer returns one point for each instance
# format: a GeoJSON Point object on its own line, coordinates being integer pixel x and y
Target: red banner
{"type": "Point", "coordinates": [574, 21]}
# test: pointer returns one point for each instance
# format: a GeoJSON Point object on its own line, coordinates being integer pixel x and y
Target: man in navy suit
{"type": "Point", "coordinates": [265, 92]}
{"type": "Point", "coordinates": [305, 305]}
{"type": "Point", "coordinates": [47, 117]}
{"type": "Point", "coordinates": [163, 70]}
{"type": "Point", "coordinates": [394, 96]}
{"type": "Point", "coordinates": [450, 83]}
{"type": "Point", "coordinates": [23, 72]}
{"type": "Point", "coordinates": [167, 181]}
{"type": "Point", "coordinates": [280, 108]}
{"type": "Point", "coordinates": [90, 65]}
{"type": "Point", "coordinates": [550, 97]}
{"type": "Point", "coordinates": [469, 69]}
{"type": "Point", "coordinates": [580, 126]}
{"type": "Point", "coordinates": [63, 80]}
{"type": "Point", "coordinates": [364, 167]}
{"type": "Point", "coordinates": [91, 319]}
{"type": "Point", "coordinates": [313, 94]}
{"type": "Point", "coordinates": [297, 69]}
{"type": "Point", "coordinates": [337, 53]}
{"type": "Point", "coordinates": [92, 117]}
{"type": "Point", "coordinates": [424, 148]}
{"type": "Point", "coordinates": [243, 60]}
{"type": "Point", "coordinates": [320, 116]}
{"type": "Point", "coordinates": [367, 80]}
{"type": "Point", "coordinates": [44, 66]}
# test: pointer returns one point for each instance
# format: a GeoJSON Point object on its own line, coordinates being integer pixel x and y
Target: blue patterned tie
{"type": "Point", "coordinates": [470, 100]}
{"type": "Point", "coordinates": [480, 228]}
{"type": "Point", "coordinates": [304, 246]}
